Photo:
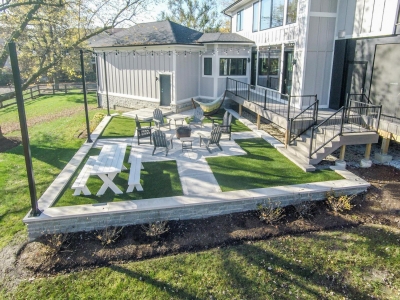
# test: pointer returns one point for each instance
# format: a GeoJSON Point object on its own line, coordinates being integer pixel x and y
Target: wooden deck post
{"type": "Point", "coordinates": [368, 151]}
{"type": "Point", "coordinates": [342, 152]}
{"type": "Point", "coordinates": [258, 121]}
{"type": "Point", "coordinates": [385, 143]}
{"type": "Point", "coordinates": [240, 109]}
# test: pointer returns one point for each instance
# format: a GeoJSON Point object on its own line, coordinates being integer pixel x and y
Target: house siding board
{"type": "Point", "coordinates": [187, 76]}
{"type": "Point", "coordinates": [207, 86]}
{"type": "Point", "coordinates": [362, 18]}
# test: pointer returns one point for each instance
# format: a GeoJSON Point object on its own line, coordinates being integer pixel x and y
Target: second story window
{"type": "Point", "coordinates": [239, 21]}
{"type": "Point", "coordinates": [256, 15]}
{"type": "Point", "coordinates": [291, 15]}
{"type": "Point", "coordinates": [272, 12]}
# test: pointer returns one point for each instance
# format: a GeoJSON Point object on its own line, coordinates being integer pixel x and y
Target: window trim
{"type": "Point", "coordinates": [241, 13]}
{"type": "Point", "coordinates": [258, 17]}
{"type": "Point", "coordinates": [286, 15]}
{"type": "Point", "coordinates": [203, 73]}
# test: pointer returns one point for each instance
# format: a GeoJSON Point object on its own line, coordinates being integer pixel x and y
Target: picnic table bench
{"type": "Point", "coordinates": [80, 182]}
{"type": "Point", "coordinates": [134, 173]}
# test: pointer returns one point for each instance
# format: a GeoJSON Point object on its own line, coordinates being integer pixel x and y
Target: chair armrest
{"type": "Point", "coordinates": [156, 121]}
{"type": "Point", "coordinates": [201, 135]}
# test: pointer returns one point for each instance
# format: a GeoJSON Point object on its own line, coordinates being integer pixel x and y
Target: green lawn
{"type": "Point", "coordinates": [357, 263]}
{"type": "Point", "coordinates": [53, 144]}
{"type": "Point", "coordinates": [263, 166]}
{"type": "Point", "coordinates": [46, 105]}
{"type": "Point", "coordinates": [119, 127]}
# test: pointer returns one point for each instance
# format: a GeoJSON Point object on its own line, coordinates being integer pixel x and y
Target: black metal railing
{"type": "Point", "coordinates": [362, 117]}
{"type": "Point", "coordinates": [356, 118]}
{"type": "Point", "coordinates": [303, 121]}
{"type": "Point", "coordinates": [326, 131]}
{"type": "Point", "coordinates": [357, 97]}
{"type": "Point", "coordinates": [266, 98]}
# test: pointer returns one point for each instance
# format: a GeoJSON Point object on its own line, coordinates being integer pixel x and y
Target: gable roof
{"type": "Point", "coordinates": [153, 33]}
{"type": "Point", "coordinates": [223, 38]}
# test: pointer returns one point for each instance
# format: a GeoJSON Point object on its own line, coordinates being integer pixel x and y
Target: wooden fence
{"type": "Point", "coordinates": [39, 90]}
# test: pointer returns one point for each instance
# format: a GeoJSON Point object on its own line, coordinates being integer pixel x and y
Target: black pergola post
{"type": "Point", "coordinates": [24, 128]}
{"type": "Point", "coordinates": [105, 80]}
{"type": "Point", "coordinates": [89, 140]}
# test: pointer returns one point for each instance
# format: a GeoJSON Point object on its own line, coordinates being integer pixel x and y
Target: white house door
{"type": "Point", "coordinates": [165, 90]}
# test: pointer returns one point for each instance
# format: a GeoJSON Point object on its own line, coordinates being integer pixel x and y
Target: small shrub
{"type": "Point", "coordinates": [56, 241]}
{"type": "Point", "coordinates": [270, 214]}
{"type": "Point", "coordinates": [156, 228]}
{"type": "Point", "coordinates": [339, 203]}
{"type": "Point", "coordinates": [109, 235]}
{"type": "Point", "coordinates": [305, 209]}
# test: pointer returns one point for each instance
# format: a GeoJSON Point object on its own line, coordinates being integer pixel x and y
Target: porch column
{"type": "Point", "coordinates": [340, 163]}
{"type": "Point", "coordinates": [383, 156]}
{"type": "Point", "coordinates": [366, 162]}
{"type": "Point", "coordinates": [258, 121]}
{"type": "Point", "coordinates": [240, 110]}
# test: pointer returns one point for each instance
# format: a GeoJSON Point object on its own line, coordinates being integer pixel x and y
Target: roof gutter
{"type": "Point", "coordinates": [230, 6]}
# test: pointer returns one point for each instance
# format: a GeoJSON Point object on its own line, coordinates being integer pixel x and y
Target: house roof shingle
{"type": "Point", "coordinates": [223, 38]}
{"type": "Point", "coordinates": [154, 33]}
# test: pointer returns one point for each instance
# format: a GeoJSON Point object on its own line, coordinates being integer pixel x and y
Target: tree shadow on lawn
{"type": "Point", "coordinates": [170, 288]}
{"type": "Point", "coordinates": [281, 276]}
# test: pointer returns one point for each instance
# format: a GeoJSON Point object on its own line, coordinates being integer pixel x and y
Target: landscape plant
{"type": "Point", "coordinates": [339, 203]}
{"type": "Point", "coordinates": [270, 213]}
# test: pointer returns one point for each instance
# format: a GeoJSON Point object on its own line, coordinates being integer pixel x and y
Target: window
{"type": "Point", "coordinates": [291, 16]}
{"type": "Point", "coordinates": [207, 66]}
{"type": "Point", "coordinates": [256, 13]}
{"type": "Point", "coordinates": [269, 67]}
{"type": "Point", "coordinates": [232, 66]}
{"type": "Point", "coordinates": [271, 13]}
{"type": "Point", "coordinates": [239, 21]}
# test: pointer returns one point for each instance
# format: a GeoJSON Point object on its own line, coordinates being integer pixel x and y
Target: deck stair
{"type": "Point", "coordinates": [298, 152]}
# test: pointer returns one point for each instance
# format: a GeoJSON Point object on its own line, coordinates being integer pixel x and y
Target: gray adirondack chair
{"type": "Point", "coordinates": [212, 139]}
{"type": "Point", "coordinates": [160, 140]}
{"type": "Point", "coordinates": [226, 127]}
{"type": "Point", "coordinates": [142, 132]}
{"type": "Point", "coordinates": [198, 117]}
{"type": "Point", "coordinates": [158, 119]}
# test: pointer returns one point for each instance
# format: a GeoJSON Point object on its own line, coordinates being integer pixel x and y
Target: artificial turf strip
{"type": "Point", "coordinates": [354, 263]}
{"type": "Point", "coordinates": [119, 127]}
{"type": "Point", "coordinates": [158, 179]}
{"type": "Point", "coordinates": [262, 167]}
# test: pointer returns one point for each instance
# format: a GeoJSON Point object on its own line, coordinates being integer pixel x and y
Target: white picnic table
{"type": "Point", "coordinates": [108, 164]}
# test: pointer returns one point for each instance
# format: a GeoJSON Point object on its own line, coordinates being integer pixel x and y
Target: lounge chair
{"type": "Point", "coordinates": [161, 140]}
{"type": "Point", "coordinates": [212, 139]}
{"type": "Point", "coordinates": [158, 119]}
{"type": "Point", "coordinates": [142, 132]}
{"type": "Point", "coordinates": [226, 127]}
{"type": "Point", "coordinates": [198, 117]}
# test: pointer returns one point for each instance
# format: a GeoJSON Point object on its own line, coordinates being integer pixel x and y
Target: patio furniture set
{"type": "Point", "coordinates": [110, 160]}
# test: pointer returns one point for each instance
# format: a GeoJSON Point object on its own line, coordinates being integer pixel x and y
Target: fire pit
{"type": "Point", "coordinates": [183, 131]}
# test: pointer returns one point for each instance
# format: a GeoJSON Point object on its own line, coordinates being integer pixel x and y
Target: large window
{"type": "Point", "coordinates": [272, 13]}
{"type": "Point", "coordinates": [291, 15]}
{"type": "Point", "coordinates": [207, 66]}
{"type": "Point", "coordinates": [239, 21]}
{"type": "Point", "coordinates": [256, 13]}
{"type": "Point", "coordinates": [269, 67]}
{"type": "Point", "coordinates": [232, 66]}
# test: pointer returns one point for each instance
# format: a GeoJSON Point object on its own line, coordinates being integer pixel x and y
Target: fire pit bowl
{"type": "Point", "coordinates": [183, 131]}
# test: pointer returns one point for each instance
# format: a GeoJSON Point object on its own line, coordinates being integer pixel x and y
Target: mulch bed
{"type": "Point", "coordinates": [380, 205]}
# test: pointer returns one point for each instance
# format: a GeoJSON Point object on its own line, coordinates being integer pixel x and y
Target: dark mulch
{"type": "Point", "coordinates": [7, 143]}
